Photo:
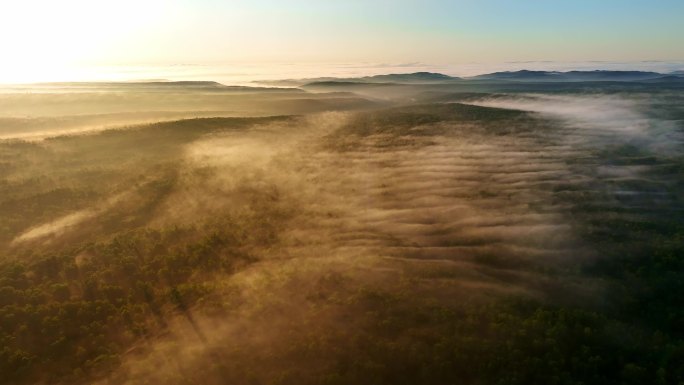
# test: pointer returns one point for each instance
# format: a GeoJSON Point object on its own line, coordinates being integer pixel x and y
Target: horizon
{"type": "Point", "coordinates": [79, 40]}
{"type": "Point", "coordinates": [371, 192]}
{"type": "Point", "coordinates": [244, 75]}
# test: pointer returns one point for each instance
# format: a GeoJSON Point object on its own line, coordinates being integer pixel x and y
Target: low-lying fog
{"type": "Point", "coordinates": [344, 223]}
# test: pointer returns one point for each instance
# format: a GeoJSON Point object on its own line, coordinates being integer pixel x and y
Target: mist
{"type": "Point", "coordinates": [341, 193]}
{"type": "Point", "coordinates": [315, 237]}
{"type": "Point", "coordinates": [602, 117]}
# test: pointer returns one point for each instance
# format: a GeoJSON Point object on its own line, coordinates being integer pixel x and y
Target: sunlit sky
{"type": "Point", "coordinates": [64, 39]}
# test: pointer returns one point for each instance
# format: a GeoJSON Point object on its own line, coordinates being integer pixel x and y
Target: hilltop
{"type": "Point", "coordinates": [571, 76]}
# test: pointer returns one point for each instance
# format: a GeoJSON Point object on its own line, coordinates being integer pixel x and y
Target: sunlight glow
{"type": "Point", "coordinates": [44, 40]}
{"type": "Point", "coordinates": [53, 40]}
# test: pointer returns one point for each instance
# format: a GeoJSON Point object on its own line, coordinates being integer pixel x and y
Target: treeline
{"type": "Point", "coordinates": [72, 314]}
{"type": "Point", "coordinates": [68, 316]}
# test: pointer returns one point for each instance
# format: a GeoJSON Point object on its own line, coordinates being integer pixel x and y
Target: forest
{"type": "Point", "coordinates": [485, 233]}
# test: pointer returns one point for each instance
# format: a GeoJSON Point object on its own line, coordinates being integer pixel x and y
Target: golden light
{"type": "Point", "coordinates": [45, 40]}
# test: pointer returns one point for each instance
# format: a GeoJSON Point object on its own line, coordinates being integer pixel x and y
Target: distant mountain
{"type": "Point", "coordinates": [571, 76]}
{"type": "Point", "coordinates": [133, 84]}
{"type": "Point", "coordinates": [612, 75]}
{"type": "Point", "coordinates": [340, 83]}
{"type": "Point", "coordinates": [416, 77]}
{"type": "Point", "coordinates": [521, 75]}
{"type": "Point", "coordinates": [667, 79]}
{"type": "Point", "coordinates": [410, 78]}
{"type": "Point", "coordinates": [160, 85]}
{"type": "Point", "coordinates": [433, 78]}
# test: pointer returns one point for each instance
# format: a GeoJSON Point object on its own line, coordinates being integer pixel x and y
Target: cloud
{"type": "Point", "coordinates": [600, 118]}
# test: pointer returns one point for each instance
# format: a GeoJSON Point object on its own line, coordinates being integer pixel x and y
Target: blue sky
{"type": "Point", "coordinates": [132, 32]}
{"type": "Point", "coordinates": [458, 30]}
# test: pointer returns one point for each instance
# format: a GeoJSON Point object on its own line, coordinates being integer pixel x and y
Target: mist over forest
{"type": "Point", "coordinates": [510, 228]}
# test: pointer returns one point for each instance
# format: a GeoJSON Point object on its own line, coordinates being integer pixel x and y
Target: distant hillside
{"type": "Point", "coordinates": [416, 77]}
{"type": "Point", "coordinates": [346, 84]}
{"type": "Point", "coordinates": [572, 76]}
{"type": "Point", "coordinates": [611, 75]}
{"type": "Point", "coordinates": [520, 75]}
{"type": "Point", "coordinates": [433, 78]}
{"type": "Point", "coordinates": [159, 85]}
{"type": "Point", "coordinates": [410, 78]}
{"type": "Point", "coordinates": [153, 83]}
{"type": "Point", "coordinates": [667, 79]}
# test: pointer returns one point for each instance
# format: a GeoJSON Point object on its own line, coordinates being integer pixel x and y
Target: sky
{"type": "Point", "coordinates": [44, 39]}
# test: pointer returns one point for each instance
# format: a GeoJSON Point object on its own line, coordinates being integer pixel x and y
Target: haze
{"type": "Point", "coordinates": [68, 40]}
{"type": "Point", "coordinates": [341, 192]}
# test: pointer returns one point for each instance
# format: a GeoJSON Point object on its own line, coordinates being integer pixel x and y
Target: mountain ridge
{"type": "Point", "coordinates": [571, 76]}
{"type": "Point", "coordinates": [427, 78]}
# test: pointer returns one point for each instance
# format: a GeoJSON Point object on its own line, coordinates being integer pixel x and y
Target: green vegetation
{"type": "Point", "coordinates": [127, 260]}
{"type": "Point", "coordinates": [70, 306]}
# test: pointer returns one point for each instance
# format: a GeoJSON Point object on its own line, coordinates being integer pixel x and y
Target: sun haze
{"type": "Point", "coordinates": [271, 192]}
{"type": "Point", "coordinates": [55, 40]}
